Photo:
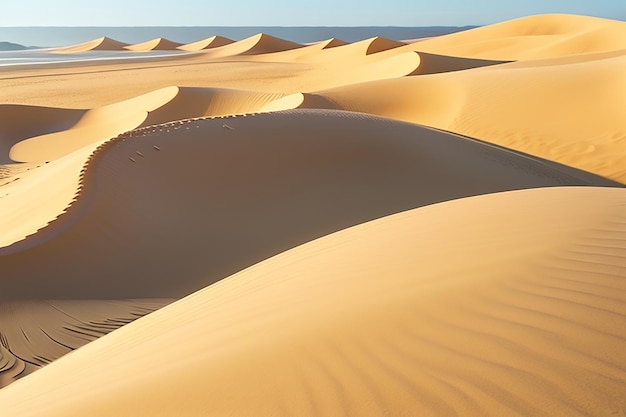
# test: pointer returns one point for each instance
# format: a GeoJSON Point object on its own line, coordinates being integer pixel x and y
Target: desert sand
{"type": "Point", "coordinates": [261, 227]}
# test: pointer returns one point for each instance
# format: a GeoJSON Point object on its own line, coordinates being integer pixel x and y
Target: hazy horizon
{"type": "Point", "coordinates": [282, 12]}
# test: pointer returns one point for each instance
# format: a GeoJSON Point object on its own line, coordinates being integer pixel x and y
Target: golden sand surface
{"type": "Point", "coordinates": [262, 228]}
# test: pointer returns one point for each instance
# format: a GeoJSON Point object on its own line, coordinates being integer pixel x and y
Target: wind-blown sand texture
{"type": "Point", "coordinates": [375, 228]}
{"type": "Point", "coordinates": [399, 316]}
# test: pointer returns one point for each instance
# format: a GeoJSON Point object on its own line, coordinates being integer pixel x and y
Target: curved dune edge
{"type": "Point", "coordinates": [208, 43]}
{"type": "Point", "coordinates": [533, 37]}
{"type": "Point", "coordinates": [437, 64]}
{"type": "Point", "coordinates": [56, 185]}
{"type": "Point", "coordinates": [422, 312]}
{"type": "Point", "coordinates": [160, 106]}
{"type": "Point", "coordinates": [367, 46]}
{"type": "Point", "coordinates": [332, 43]}
{"type": "Point", "coordinates": [569, 110]}
{"type": "Point", "coordinates": [21, 122]}
{"type": "Point", "coordinates": [36, 333]}
{"type": "Point", "coordinates": [157, 44]}
{"type": "Point", "coordinates": [235, 180]}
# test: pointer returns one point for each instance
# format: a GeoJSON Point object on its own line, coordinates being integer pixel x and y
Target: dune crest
{"type": "Point", "coordinates": [421, 312]}
{"type": "Point", "coordinates": [332, 43]}
{"type": "Point", "coordinates": [161, 106]}
{"type": "Point", "coordinates": [254, 45]}
{"type": "Point", "coordinates": [157, 44]}
{"type": "Point", "coordinates": [208, 43]}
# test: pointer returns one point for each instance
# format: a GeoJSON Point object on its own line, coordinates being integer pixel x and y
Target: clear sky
{"type": "Point", "coordinates": [291, 12]}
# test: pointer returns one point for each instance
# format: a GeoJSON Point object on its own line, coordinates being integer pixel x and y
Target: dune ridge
{"type": "Point", "coordinates": [160, 106]}
{"type": "Point", "coordinates": [317, 328]}
{"type": "Point", "coordinates": [260, 43]}
{"type": "Point", "coordinates": [157, 44]}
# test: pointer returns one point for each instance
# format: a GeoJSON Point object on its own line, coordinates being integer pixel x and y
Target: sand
{"type": "Point", "coordinates": [431, 227]}
{"type": "Point", "coordinates": [513, 313]}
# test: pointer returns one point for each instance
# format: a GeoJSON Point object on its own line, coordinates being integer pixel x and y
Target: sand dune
{"type": "Point", "coordinates": [158, 44]}
{"type": "Point", "coordinates": [332, 43]}
{"type": "Point", "coordinates": [50, 183]}
{"type": "Point", "coordinates": [534, 37]}
{"type": "Point", "coordinates": [337, 51]}
{"type": "Point", "coordinates": [258, 44]}
{"type": "Point", "coordinates": [20, 122]}
{"type": "Point", "coordinates": [165, 105]}
{"type": "Point", "coordinates": [35, 333]}
{"type": "Point", "coordinates": [100, 44]}
{"type": "Point", "coordinates": [230, 185]}
{"type": "Point", "coordinates": [373, 45]}
{"type": "Point", "coordinates": [424, 313]}
{"type": "Point", "coordinates": [208, 43]}
{"type": "Point", "coordinates": [567, 110]}
{"type": "Point", "coordinates": [436, 64]}
{"type": "Point", "coordinates": [142, 181]}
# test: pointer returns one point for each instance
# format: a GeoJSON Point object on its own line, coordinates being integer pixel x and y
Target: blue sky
{"type": "Point", "coordinates": [291, 13]}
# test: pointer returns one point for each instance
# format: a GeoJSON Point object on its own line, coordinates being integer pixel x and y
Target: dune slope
{"type": "Point", "coordinates": [533, 37]}
{"type": "Point", "coordinates": [571, 110]}
{"type": "Point", "coordinates": [519, 311]}
{"type": "Point", "coordinates": [218, 195]}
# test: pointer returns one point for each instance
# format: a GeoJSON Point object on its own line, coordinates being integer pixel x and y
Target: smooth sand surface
{"type": "Point", "coordinates": [218, 195]}
{"type": "Point", "coordinates": [571, 110]}
{"type": "Point", "coordinates": [516, 312]}
{"type": "Point", "coordinates": [127, 184]}
{"type": "Point", "coordinates": [533, 37]}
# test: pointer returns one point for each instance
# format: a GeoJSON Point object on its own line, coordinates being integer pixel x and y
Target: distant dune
{"type": "Point", "coordinates": [432, 227]}
{"type": "Point", "coordinates": [9, 46]}
{"type": "Point", "coordinates": [548, 109]}
{"type": "Point", "coordinates": [534, 37]}
{"type": "Point", "coordinates": [158, 44]}
{"type": "Point", "coordinates": [257, 44]}
{"type": "Point", "coordinates": [100, 44]}
{"type": "Point", "coordinates": [208, 43]}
